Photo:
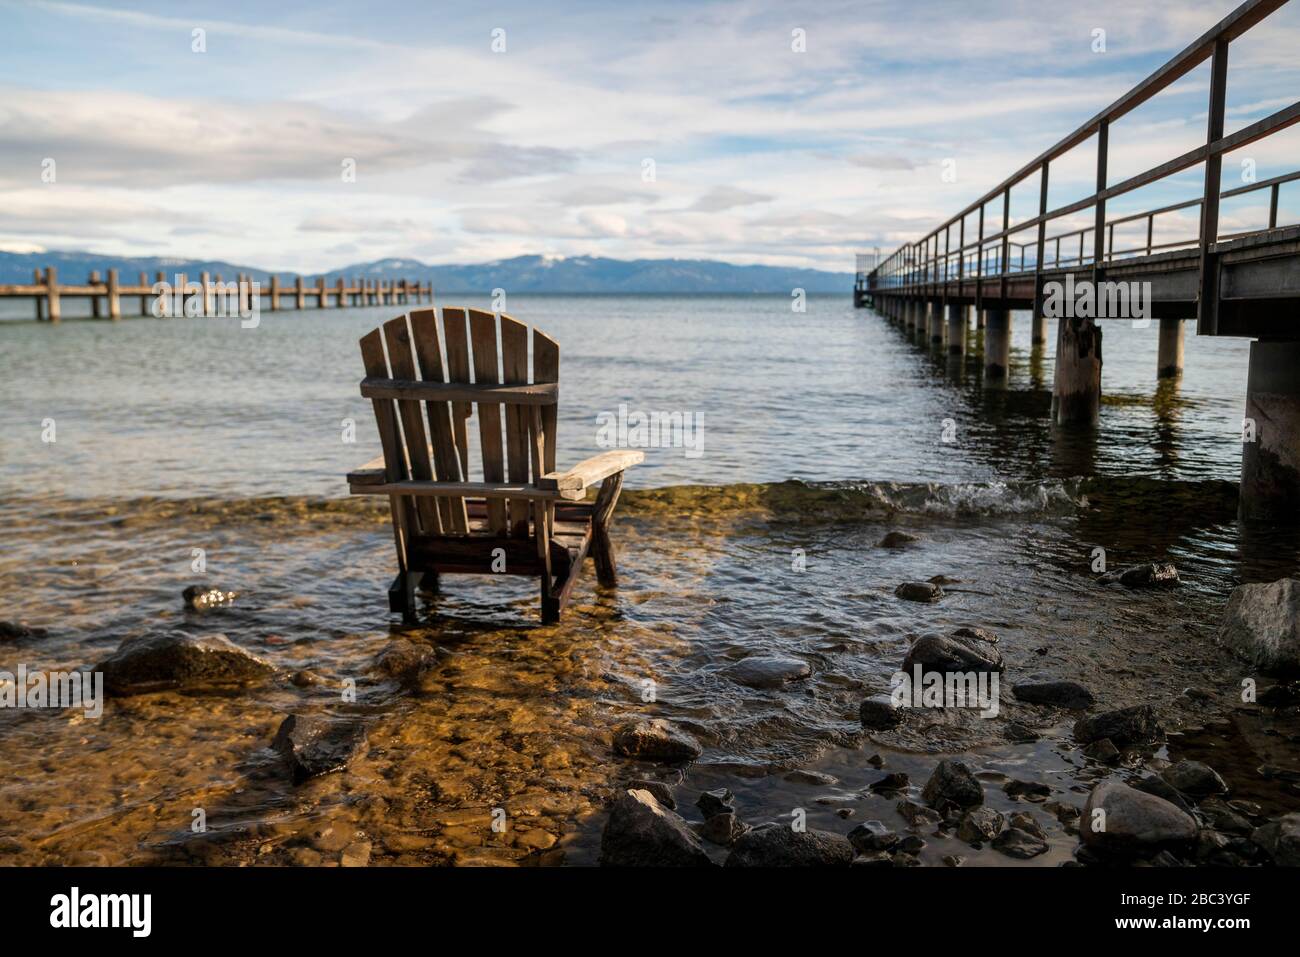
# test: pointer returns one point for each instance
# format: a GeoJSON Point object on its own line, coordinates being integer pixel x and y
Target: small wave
{"type": "Point", "coordinates": [803, 501]}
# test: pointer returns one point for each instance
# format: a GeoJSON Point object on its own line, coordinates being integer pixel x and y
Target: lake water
{"type": "Point", "coordinates": [822, 431]}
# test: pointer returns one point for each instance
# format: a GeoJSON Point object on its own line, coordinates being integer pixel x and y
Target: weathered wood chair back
{"type": "Point", "coordinates": [426, 379]}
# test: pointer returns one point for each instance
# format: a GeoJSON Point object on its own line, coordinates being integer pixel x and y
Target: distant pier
{"type": "Point", "coordinates": [107, 292]}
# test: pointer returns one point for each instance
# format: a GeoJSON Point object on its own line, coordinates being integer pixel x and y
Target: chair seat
{"type": "Point", "coordinates": [477, 552]}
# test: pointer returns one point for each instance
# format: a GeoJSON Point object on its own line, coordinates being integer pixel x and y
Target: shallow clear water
{"type": "Point", "coordinates": [183, 434]}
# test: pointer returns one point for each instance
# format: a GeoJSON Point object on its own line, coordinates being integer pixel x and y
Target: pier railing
{"type": "Point", "coordinates": [945, 254]}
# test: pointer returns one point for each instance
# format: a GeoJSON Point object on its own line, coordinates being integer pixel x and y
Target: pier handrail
{"type": "Point", "coordinates": [921, 265]}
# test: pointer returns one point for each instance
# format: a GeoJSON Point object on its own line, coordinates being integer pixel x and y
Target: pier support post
{"type": "Point", "coordinates": [1169, 363]}
{"type": "Point", "coordinates": [997, 345]}
{"type": "Point", "coordinates": [275, 293]}
{"type": "Point", "coordinates": [299, 292]}
{"type": "Point", "coordinates": [1039, 335]}
{"type": "Point", "coordinates": [144, 300]}
{"type": "Point", "coordinates": [341, 298]}
{"type": "Point", "coordinates": [981, 318]}
{"type": "Point", "coordinates": [94, 299]}
{"type": "Point", "coordinates": [205, 286]}
{"type": "Point", "coordinates": [38, 278]}
{"type": "Point", "coordinates": [114, 301]}
{"type": "Point", "coordinates": [52, 307]}
{"type": "Point", "coordinates": [1076, 394]}
{"type": "Point", "coordinates": [320, 292]}
{"type": "Point", "coordinates": [1270, 451]}
{"type": "Point", "coordinates": [956, 329]}
{"type": "Point", "coordinates": [936, 323]}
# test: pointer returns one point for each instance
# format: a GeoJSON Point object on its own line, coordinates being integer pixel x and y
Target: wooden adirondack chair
{"type": "Point", "coordinates": [524, 517]}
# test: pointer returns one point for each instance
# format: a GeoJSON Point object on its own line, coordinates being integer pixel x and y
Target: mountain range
{"type": "Point", "coordinates": [521, 274]}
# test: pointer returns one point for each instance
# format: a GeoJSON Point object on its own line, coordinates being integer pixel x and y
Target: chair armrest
{"type": "Point", "coordinates": [588, 473]}
{"type": "Point", "coordinates": [372, 473]}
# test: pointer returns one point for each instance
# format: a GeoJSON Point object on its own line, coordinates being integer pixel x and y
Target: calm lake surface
{"type": "Point", "coordinates": [822, 431]}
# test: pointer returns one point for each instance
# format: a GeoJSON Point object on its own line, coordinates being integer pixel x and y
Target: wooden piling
{"type": "Point", "coordinates": [299, 293]}
{"type": "Point", "coordinates": [1038, 335]}
{"type": "Point", "coordinates": [1076, 393]}
{"type": "Point", "coordinates": [341, 297]}
{"type": "Point", "coordinates": [1270, 451]}
{"type": "Point", "coordinates": [1169, 361]}
{"type": "Point", "coordinates": [39, 276]}
{"type": "Point", "coordinates": [144, 300]}
{"type": "Point", "coordinates": [275, 292]}
{"type": "Point", "coordinates": [52, 308]}
{"type": "Point", "coordinates": [997, 345]}
{"type": "Point", "coordinates": [114, 302]}
{"type": "Point", "coordinates": [205, 292]}
{"type": "Point", "coordinates": [956, 329]}
{"type": "Point", "coordinates": [94, 299]}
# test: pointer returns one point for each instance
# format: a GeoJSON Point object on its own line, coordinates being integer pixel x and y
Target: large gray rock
{"type": "Point", "coordinates": [312, 745]}
{"type": "Point", "coordinates": [1133, 822]}
{"type": "Point", "coordinates": [1059, 694]}
{"type": "Point", "coordinates": [761, 671]}
{"type": "Point", "coordinates": [655, 740]}
{"type": "Point", "coordinates": [1125, 727]}
{"type": "Point", "coordinates": [871, 836]}
{"type": "Point", "coordinates": [1262, 625]}
{"type": "Point", "coordinates": [878, 712]}
{"type": "Point", "coordinates": [175, 660]}
{"type": "Point", "coordinates": [779, 845]}
{"type": "Point", "coordinates": [955, 652]}
{"type": "Point", "coordinates": [1020, 844]}
{"type": "Point", "coordinates": [641, 832]}
{"type": "Point", "coordinates": [952, 783]}
{"type": "Point", "coordinates": [1280, 839]}
{"type": "Point", "coordinates": [980, 825]}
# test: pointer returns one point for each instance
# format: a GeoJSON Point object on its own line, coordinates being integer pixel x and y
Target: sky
{"type": "Point", "coordinates": [757, 131]}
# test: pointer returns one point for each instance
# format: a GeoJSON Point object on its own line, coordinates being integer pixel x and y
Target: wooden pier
{"type": "Point", "coordinates": [1243, 284]}
{"type": "Point", "coordinates": [106, 293]}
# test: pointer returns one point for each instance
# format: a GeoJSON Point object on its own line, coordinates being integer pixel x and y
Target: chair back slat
{"type": "Point", "coordinates": [483, 336]}
{"type": "Point", "coordinates": [401, 360]}
{"type": "Point", "coordinates": [546, 368]}
{"type": "Point", "coordinates": [514, 366]}
{"type": "Point", "coordinates": [456, 341]}
{"type": "Point", "coordinates": [395, 469]}
{"type": "Point", "coordinates": [446, 458]}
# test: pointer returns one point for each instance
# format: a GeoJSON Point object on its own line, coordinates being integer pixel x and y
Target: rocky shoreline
{"type": "Point", "coordinates": [1140, 809]}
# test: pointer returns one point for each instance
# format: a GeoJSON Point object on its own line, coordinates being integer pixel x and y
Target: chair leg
{"type": "Point", "coordinates": [602, 517]}
{"type": "Point", "coordinates": [550, 604]}
{"type": "Point", "coordinates": [401, 595]}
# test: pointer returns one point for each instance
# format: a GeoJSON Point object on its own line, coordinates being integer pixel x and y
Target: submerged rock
{"type": "Point", "coordinates": [945, 653]}
{"type": "Point", "coordinates": [642, 833]}
{"type": "Point", "coordinates": [919, 591]}
{"type": "Point", "coordinates": [952, 783]}
{"type": "Point", "coordinates": [405, 661]}
{"type": "Point", "coordinates": [1154, 784]}
{"type": "Point", "coordinates": [179, 661]}
{"type": "Point", "coordinates": [717, 801]}
{"type": "Point", "coordinates": [917, 815]}
{"type": "Point", "coordinates": [313, 745]}
{"type": "Point", "coordinates": [779, 845]}
{"type": "Point", "coordinates": [1103, 751]}
{"type": "Point", "coordinates": [980, 825]}
{"type": "Point", "coordinates": [1262, 625]}
{"type": "Point", "coordinates": [17, 631]}
{"type": "Point", "coordinates": [1132, 822]}
{"type": "Point", "coordinates": [1144, 576]}
{"type": "Point", "coordinates": [896, 781]}
{"type": "Point", "coordinates": [767, 671]}
{"type": "Point", "coordinates": [661, 791]}
{"type": "Point", "coordinates": [1029, 790]}
{"type": "Point", "coordinates": [872, 836]}
{"type": "Point", "coordinates": [655, 740]}
{"type": "Point", "coordinates": [1280, 840]}
{"type": "Point", "coordinates": [897, 539]}
{"type": "Point", "coordinates": [1060, 694]}
{"type": "Point", "coordinates": [1194, 779]}
{"type": "Point", "coordinates": [878, 712]}
{"type": "Point", "coordinates": [1020, 844]}
{"type": "Point", "coordinates": [811, 777]}
{"type": "Point", "coordinates": [721, 829]}
{"type": "Point", "coordinates": [204, 598]}
{"type": "Point", "coordinates": [1125, 727]}
{"type": "Point", "coordinates": [1280, 695]}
